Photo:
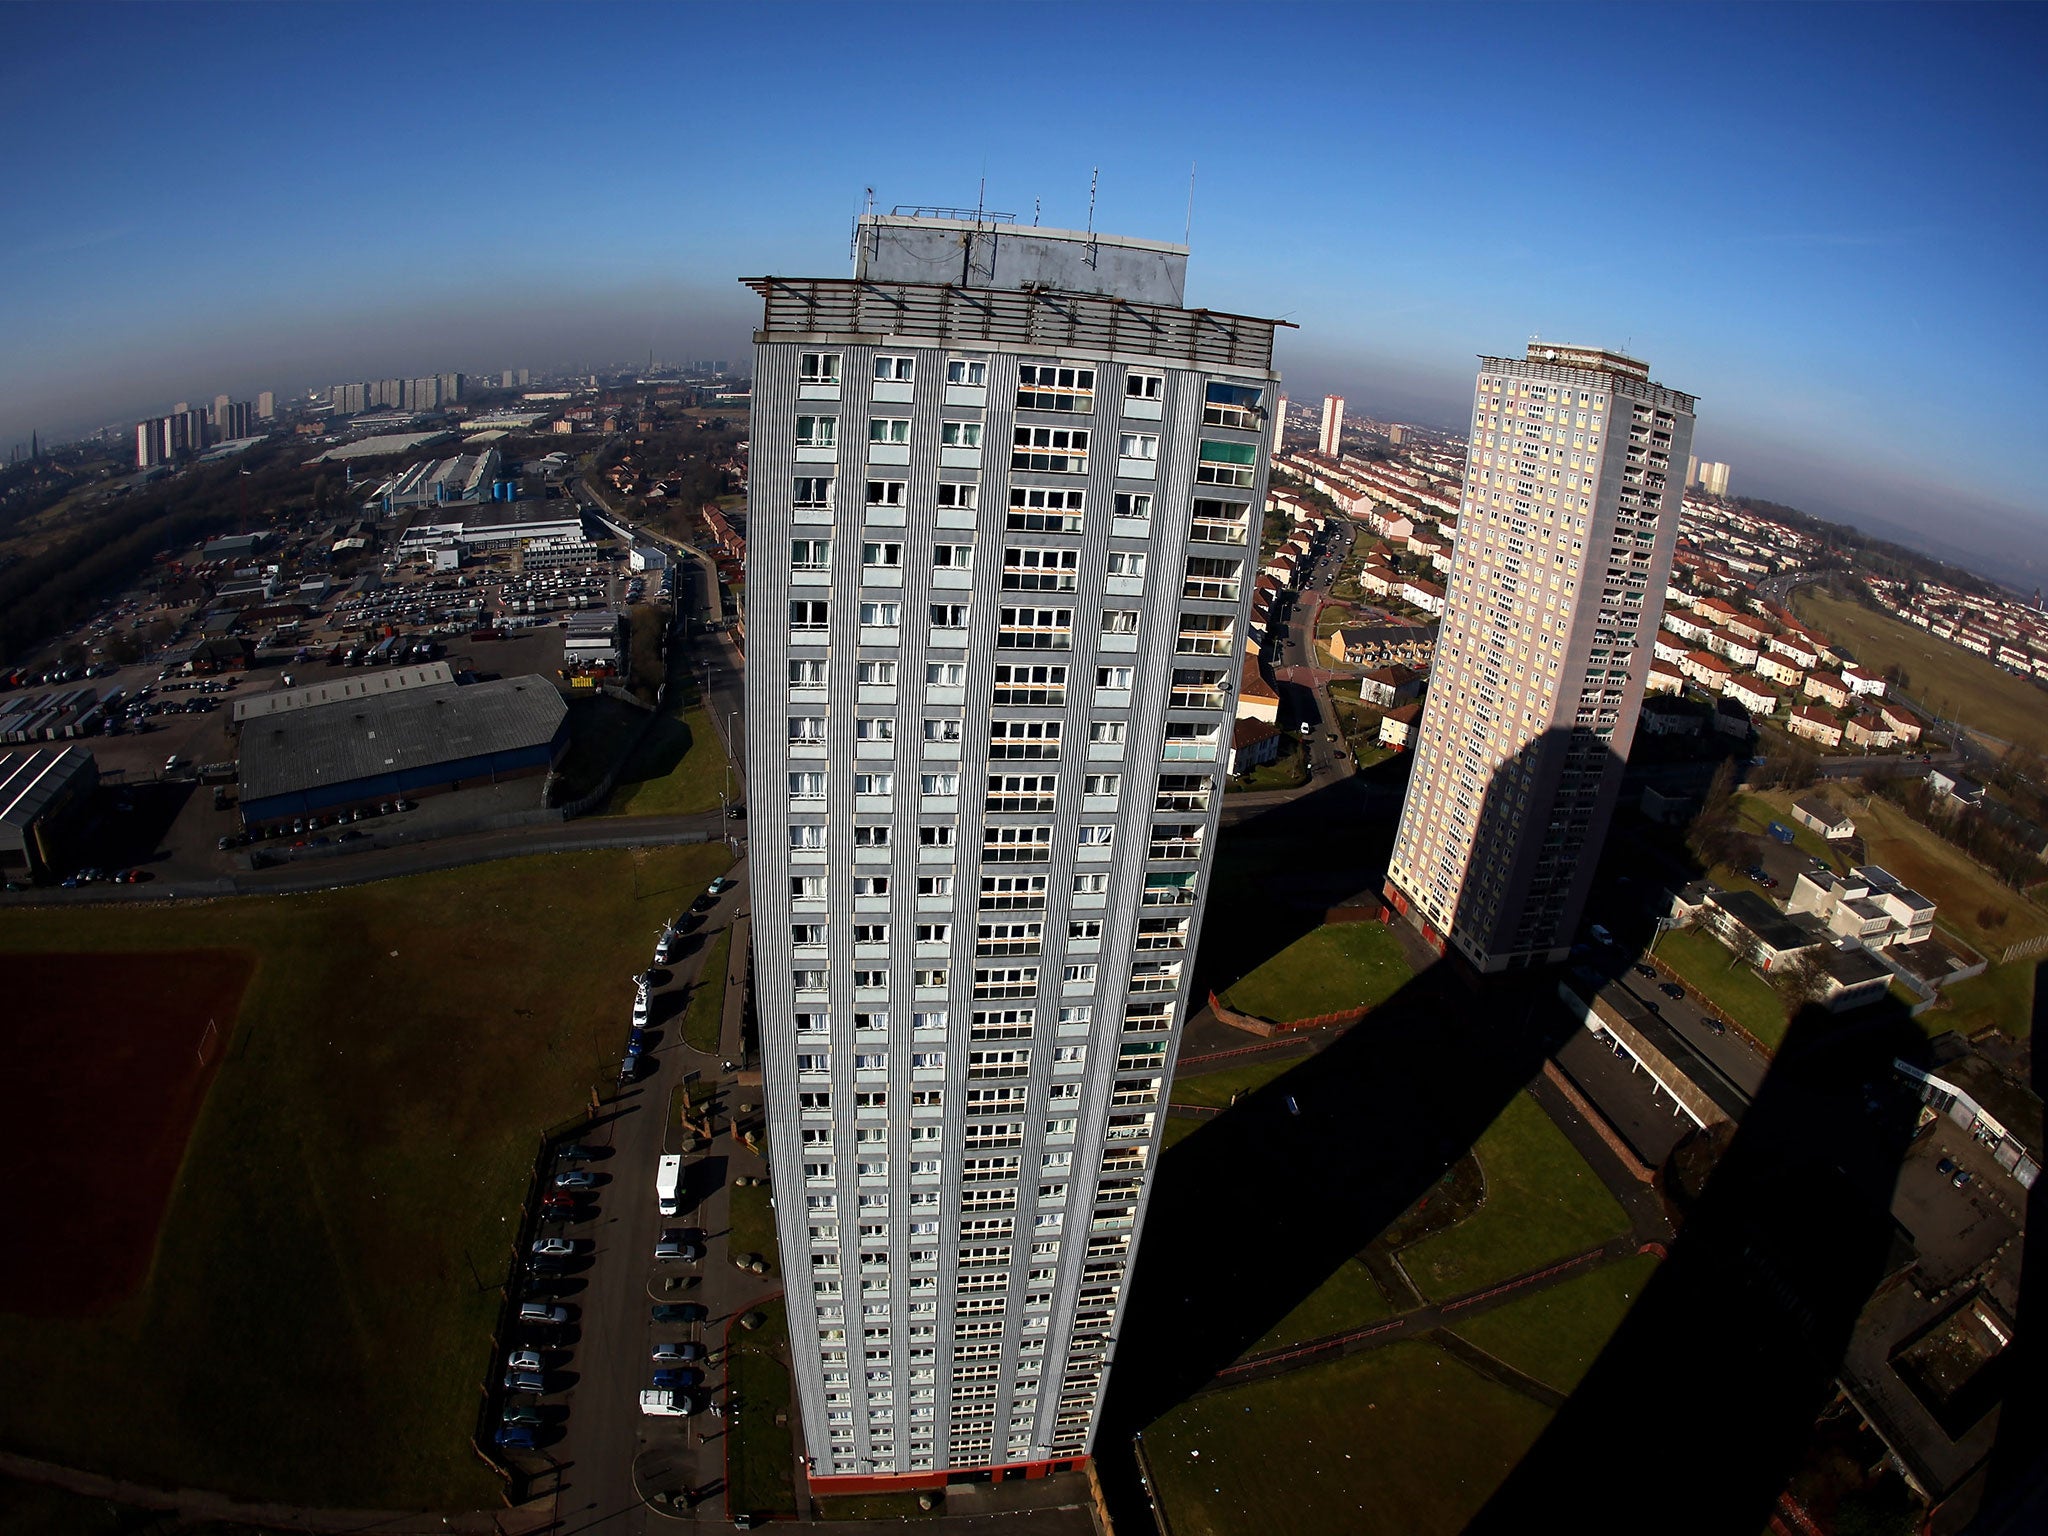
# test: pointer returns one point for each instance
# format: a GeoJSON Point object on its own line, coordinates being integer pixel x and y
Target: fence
{"type": "Point", "coordinates": [2025, 947]}
{"type": "Point", "coordinates": [1269, 1027]}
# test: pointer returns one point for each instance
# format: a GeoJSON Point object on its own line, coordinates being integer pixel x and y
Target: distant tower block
{"type": "Point", "coordinates": [1331, 443]}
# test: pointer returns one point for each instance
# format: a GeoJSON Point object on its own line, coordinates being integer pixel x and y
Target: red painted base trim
{"type": "Point", "coordinates": [915, 1482]}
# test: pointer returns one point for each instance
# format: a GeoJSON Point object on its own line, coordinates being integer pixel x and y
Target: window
{"type": "Point", "coordinates": [874, 728]}
{"type": "Point", "coordinates": [1127, 562]}
{"type": "Point", "coordinates": [883, 554]}
{"type": "Point", "coordinates": [1119, 621]}
{"type": "Point", "coordinates": [800, 935]}
{"type": "Point", "coordinates": [895, 368]}
{"type": "Point", "coordinates": [1144, 386]}
{"type": "Point", "coordinates": [960, 434]}
{"type": "Point", "coordinates": [810, 615]}
{"type": "Point", "coordinates": [818, 368]}
{"type": "Point", "coordinates": [928, 979]}
{"type": "Point", "coordinates": [1114, 677]}
{"type": "Point", "coordinates": [945, 674]}
{"type": "Point", "coordinates": [942, 730]}
{"type": "Point", "coordinates": [871, 837]}
{"type": "Point", "coordinates": [1009, 893]}
{"type": "Point", "coordinates": [1035, 510]}
{"type": "Point", "coordinates": [1055, 387]}
{"type": "Point", "coordinates": [806, 888]}
{"type": "Point", "coordinates": [969, 371]}
{"type": "Point", "coordinates": [1134, 504]}
{"type": "Point", "coordinates": [870, 885]}
{"type": "Point", "coordinates": [933, 933]}
{"type": "Point", "coordinates": [1085, 930]}
{"type": "Point", "coordinates": [886, 493]}
{"type": "Point", "coordinates": [1212, 579]}
{"type": "Point", "coordinates": [1226, 464]}
{"type": "Point", "coordinates": [811, 491]}
{"type": "Point", "coordinates": [952, 557]}
{"type": "Point", "coordinates": [949, 615]}
{"type": "Point", "coordinates": [881, 615]}
{"type": "Point", "coordinates": [1051, 450]}
{"type": "Point", "coordinates": [1006, 981]}
{"type": "Point", "coordinates": [1106, 732]}
{"type": "Point", "coordinates": [1097, 835]}
{"type": "Point", "coordinates": [1024, 739]}
{"type": "Point", "coordinates": [1232, 405]}
{"type": "Point", "coordinates": [804, 836]}
{"type": "Point", "coordinates": [938, 784]}
{"type": "Point", "coordinates": [1018, 683]}
{"type": "Point", "coordinates": [1105, 785]}
{"type": "Point", "coordinates": [807, 786]}
{"type": "Point", "coordinates": [1137, 445]}
{"type": "Point", "coordinates": [889, 429]}
{"type": "Point", "coordinates": [1040, 570]}
{"type": "Point", "coordinates": [881, 674]}
{"type": "Point", "coordinates": [807, 730]}
{"type": "Point", "coordinates": [1021, 792]}
{"type": "Point", "coordinates": [1016, 845]}
{"type": "Point", "coordinates": [1035, 629]}
{"type": "Point", "coordinates": [1197, 688]}
{"type": "Point", "coordinates": [935, 885]}
{"type": "Point", "coordinates": [940, 836]}
{"type": "Point", "coordinates": [817, 431]}
{"type": "Point", "coordinates": [1220, 522]}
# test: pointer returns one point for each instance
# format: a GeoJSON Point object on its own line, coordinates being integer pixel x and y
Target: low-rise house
{"type": "Point", "coordinates": [1711, 672]}
{"type": "Point", "coordinates": [1828, 687]}
{"type": "Point", "coordinates": [1779, 670]}
{"type": "Point", "coordinates": [1904, 723]}
{"type": "Point", "coordinates": [1256, 698]}
{"type": "Point", "coordinates": [1859, 681]}
{"type": "Point", "coordinates": [1398, 726]}
{"type": "Point", "coordinates": [1426, 595]}
{"type": "Point", "coordinates": [1947, 782]}
{"type": "Point", "coordinates": [1385, 687]}
{"type": "Point", "coordinates": [1756, 930]}
{"type": "Point", "coordinates": [1816, 725]}
{"type": "Point", "coordinates": [1665, 678]}
{"type": "Point", "coordinates": [1869, 905]}
{"type": "Point", "coordinates": [1751, 696]}
{"type": "Point", "coordinates": [1252, 743]}
{"type": "Point", "coordinates": [1868, 731]}
{"type": "Point", "coordinates": [1824, 816]}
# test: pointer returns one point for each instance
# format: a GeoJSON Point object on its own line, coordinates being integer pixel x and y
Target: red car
{"type": "Point", "coordinates": [558, 1200]}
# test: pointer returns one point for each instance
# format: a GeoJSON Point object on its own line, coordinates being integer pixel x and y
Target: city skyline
{"type": "Point", "coordinates": [1806, 292]}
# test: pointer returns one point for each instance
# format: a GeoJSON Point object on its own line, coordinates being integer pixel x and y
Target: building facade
{"type": "Point", "coordinates": [1004, 492]}
{"type": "Point", "coordinates": [1330, 441]}
{"type": "Point", "coordinates": [1566, 530]}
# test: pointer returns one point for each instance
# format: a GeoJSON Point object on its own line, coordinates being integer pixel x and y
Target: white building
{"type": "Point", "coordinates": [1331, 442]}
{"type": "Point", "coordinates": [1565, 538]}
{"type": "Point", "coordinates": [997, 612]}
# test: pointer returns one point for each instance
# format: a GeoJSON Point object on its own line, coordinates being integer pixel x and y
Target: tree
{"type": "Point", "coordinates": [1799, 980]}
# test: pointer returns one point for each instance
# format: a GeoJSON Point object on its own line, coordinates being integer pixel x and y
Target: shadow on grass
{"type": "Point", "coordinates": [1710, 1390]}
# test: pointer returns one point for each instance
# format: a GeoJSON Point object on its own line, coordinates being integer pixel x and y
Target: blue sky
{"type": "Point", "coordinates": [1826, 222]}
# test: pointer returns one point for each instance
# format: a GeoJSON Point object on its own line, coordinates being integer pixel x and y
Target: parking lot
{"type": "Point", "coordinates": [647, 1298]}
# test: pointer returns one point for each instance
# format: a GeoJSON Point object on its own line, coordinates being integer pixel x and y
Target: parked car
{"type": "Point", "coordinates": [720, 886]}
{"type": "Point", "coordinates": [523, 1360]}
{"type": "Point", "coordinates": [679, 1376]}
{"type": "Point", "coordinates": [514, 1437]}
{"type": "Point", "coordinates": [1600, 934]}
{"type": "Point", "coordinates": [575, 1178]}
{"type": "Point", "coordinates": [554, 1247]}
{"type": "Point", "coordinates": [574, 1151]}
{"type": "Point", "coordinates": [1962, 1178]}
{"type": "Point", "coordinates": [1649, 971]}
{"type": "Point", "coordinates": [1945, 1167]}
{"type": "Point", "coordinates": [521, 1413]}
{"type": "Point", "coordinates": [679, 1353]}
{"type": "Point", "coordinates": [525, 1381]}
{"type": "Point", "coordinates": [1671, 989]}
{"type": "Point", "coordinates": [542, 1312]}
{"type": "Point", "coordinates": [673, 1245]}
{"type": "Point", "coordinates": [679, 1312]}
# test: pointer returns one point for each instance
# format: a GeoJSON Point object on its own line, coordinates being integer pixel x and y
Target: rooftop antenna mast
{"type": "Point", "coordinates": [1188, 234]}
{"type": "Point", "coordinates": [1094, 175]}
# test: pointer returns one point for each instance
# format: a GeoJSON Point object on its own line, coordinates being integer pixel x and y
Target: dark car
{"type": "Point", "coordinates": [1670, 989]}
{"type": "Point", "coordinates": [679, 1312]}
{"type": "Point", "coordinates": [1649, 971]}
{"type": "Point", "coordinates": [678, 1378]}
{"type": "Point", "coordinates": [524, 1414]}
{"type": "Point", "coordinates": [574, 1151]}
{"type": "Point", "coordinates": [736, 813]}
{"type": "Point", "coordinates": [703, 903]}
{"type": "Point", "coordinates": [1945, 1167]}
{"type": "Point", "coordinates": [514, 1437]}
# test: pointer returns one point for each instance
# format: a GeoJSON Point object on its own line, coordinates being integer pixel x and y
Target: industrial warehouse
{"type": "Point", "coordinates": [42, 795]}
{"type": "Point", "coordinates": [413, 741]}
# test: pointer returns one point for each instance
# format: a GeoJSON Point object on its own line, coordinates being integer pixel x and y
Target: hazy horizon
{"type": "Point", "coordinates": [563, 201]}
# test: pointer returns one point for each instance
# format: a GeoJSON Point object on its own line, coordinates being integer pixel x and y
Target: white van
{"type": "Point", "coordinates": [668, 1177]}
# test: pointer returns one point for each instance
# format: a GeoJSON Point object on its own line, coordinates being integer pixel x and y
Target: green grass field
{"type": "Point", "coordinates": [316, 1326]}
{"type": "Point", "coordinates": [1341, 965]}
{"type": "Point", "coordinates": [1960, 886]}
{"type": "Point", "coordinates": [1542, 1203]}
{"type": "Point", "coordinates": [760, 1461]}
{"type": "Point", "coordinates": [704, 1014]}
{"type": "Point", "coordinates": [1756, 811]}
{"type": "Point", "coordinates": [2002, 998]}
{"type": "Point", "coordinates": [1401, 1439]}
{"type": "Point", "coordinates": [1216, 1088]}
{"type": "Point", "coordinates": [1705, 964]}
{"type": "Point", "coordinates": [1349, 1299]}
{"type": "Point", "coordinates": [753, 1223]}
{"type": "Point", "coordinates": [1555, 1335]}
{"type": "Point", "coordinates": [1942, 676]}
{"type": "Point", "coordinates": [1288, 771]}
{"type": "Point", "coordinates": [679, 767]}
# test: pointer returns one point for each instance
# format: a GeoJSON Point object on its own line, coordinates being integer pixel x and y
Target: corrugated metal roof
{"type": "Point", "coordinates": [409, 729]}
{"type": "Point", "coordinates": [29, 781]}
{"type": "Point", "coordinates": [360, 685]}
